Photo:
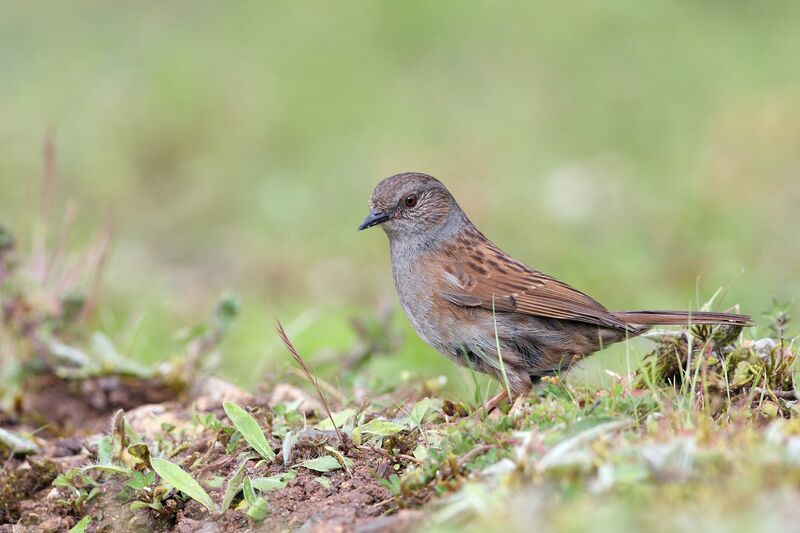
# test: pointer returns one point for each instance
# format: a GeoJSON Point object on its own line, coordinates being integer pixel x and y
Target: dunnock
{"type": "Point", "coordinates": [467, 298]}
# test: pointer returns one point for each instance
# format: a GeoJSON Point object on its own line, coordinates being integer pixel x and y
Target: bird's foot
{"type": "Point", "coordinates": [518, 408]}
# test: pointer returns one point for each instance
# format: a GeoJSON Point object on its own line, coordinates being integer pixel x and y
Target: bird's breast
{"type": "Point", "coordinates": [415, 279]}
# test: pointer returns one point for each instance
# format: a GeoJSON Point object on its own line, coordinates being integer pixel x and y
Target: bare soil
{"type": "Point", "coordinates": [71, 416]}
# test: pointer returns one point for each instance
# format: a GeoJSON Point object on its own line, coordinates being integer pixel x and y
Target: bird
{"type": "Point", "coordinates": [483, 309]}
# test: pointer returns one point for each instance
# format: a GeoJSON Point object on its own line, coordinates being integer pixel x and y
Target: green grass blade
{"type": "Point", "coordinates": [500, 355]}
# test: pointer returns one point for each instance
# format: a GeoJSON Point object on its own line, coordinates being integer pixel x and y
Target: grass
{"type": "Point", "coordinates": [643, 155]}
{"type": "Point", "coordinates": [704, 429]}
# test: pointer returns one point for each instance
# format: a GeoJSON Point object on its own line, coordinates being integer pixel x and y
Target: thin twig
{"type": "Point", "coordinates": [308, 375]}
{"type": "Point", "coordinates": [378, 451]}
{"type": "Point", "coordinates": [785, 394]}
{"type": "Point", "coordinates": [383, 502]}
{"type": "Point", "coordinates": [480, 450]}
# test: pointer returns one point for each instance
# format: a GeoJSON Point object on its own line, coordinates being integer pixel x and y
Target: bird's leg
{"type": "Point", "coordinates": [495, 400]}
{"type": "Point", "coordinates": [491, 404]}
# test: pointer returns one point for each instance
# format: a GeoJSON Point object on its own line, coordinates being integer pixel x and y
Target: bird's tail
{"type": "Point", "coordinates": [682, 318]}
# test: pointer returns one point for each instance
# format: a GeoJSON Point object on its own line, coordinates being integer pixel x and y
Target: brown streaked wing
{"type": "Point", "coordinates": [522, 290]}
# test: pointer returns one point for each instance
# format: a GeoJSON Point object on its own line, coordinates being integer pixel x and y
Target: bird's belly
{"type": "Point", "coordinates": [453, 336]}
{"type": "Point", "coordinates": [451, 330]}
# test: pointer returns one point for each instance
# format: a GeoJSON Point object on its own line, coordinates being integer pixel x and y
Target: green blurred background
{"type": "Point", "coordinates": [629, 148]}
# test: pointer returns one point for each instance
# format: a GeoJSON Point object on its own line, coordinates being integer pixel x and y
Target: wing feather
{"type": "Point", "coordinates": [510, 286]}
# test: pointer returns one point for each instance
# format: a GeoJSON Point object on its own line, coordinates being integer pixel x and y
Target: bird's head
{"type": "Point", "coordinates": [410, 205]}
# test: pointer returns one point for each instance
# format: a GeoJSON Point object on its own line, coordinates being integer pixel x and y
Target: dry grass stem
{"type": "Point", "coordinates": [310, 377]}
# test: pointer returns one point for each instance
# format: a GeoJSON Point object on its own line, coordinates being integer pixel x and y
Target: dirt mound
{"type": "Point", "coordinates": [66, 407]}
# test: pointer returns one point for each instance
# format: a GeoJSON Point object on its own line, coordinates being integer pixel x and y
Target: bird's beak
{"type": "Point", "coordinates": [375, 217]}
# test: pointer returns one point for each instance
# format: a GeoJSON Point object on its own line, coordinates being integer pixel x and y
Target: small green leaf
{"type": "Point", "coordinates": [93, 494]}
{"type": "Point", "coordinates": [249, 493]}
{"type": "Point", "coordinates": [133, 437]}
{"type": "Point", "coordinates": [214, 482]}
{"type": "Point", "coordinates": [111, 469]}
{"type": "Point", "coordinates": [339, 418]}
{"type": "Point", "coordinates": [266, 484]}
{"type": "Point", "coordinates": [258, 510]}
{"type": "Point", "coordinates": [324, 463]}
{"type": "Point", "coordinates": [420, 452]}
{"type": "Point", "coordinates": [72, 356]}
{"type": "Point", "coordinates": [325, 482]}
{"type": "Point", "coordinates": [419, 411]}
{"type": "Point", "coordinates": [233, 442]}
{"type": "Point", "coordinates": [249, 429]}
{"type": "Point", "coordinates": [104, 453]}
{"type": "Point", "coordinates": [108, 356]}
{"type": "Point", "coordinates": [139, 480]}
{"type": "Point", "coordinates": [181, 480]}
{"type": "Point", "coordinates": [81, 526]}
{"type": "Point", "coordinates": [381, 428]}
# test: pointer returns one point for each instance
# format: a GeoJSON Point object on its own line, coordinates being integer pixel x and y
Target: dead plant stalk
{"type": "Point", "coordinates": [310, 377]}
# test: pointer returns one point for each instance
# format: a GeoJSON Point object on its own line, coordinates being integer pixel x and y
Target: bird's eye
{"type": "Point", "coordinates": [411, 200]}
